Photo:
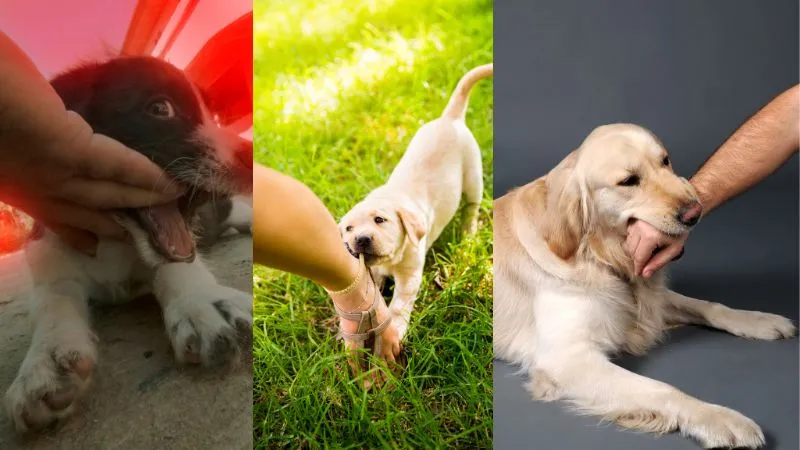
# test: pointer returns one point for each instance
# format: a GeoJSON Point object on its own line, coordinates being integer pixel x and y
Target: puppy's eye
{"type": "Point", "coordinates": [665, 161]}
{"type": "Point", "coordinates": [632, 180]}
{"type": "Point", "coordinates": [161, 109]}
{"type": "Point", "coordinates": [349, 228]}
{"type": "Point", "coordinates": [379, 219]}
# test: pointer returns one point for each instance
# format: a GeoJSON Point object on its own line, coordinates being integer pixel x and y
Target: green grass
{"type": "Point", "coordinates": [341, 86]}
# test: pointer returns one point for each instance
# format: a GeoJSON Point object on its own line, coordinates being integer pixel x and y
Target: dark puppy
{"type": "Point", "coordinates": [153, 108]}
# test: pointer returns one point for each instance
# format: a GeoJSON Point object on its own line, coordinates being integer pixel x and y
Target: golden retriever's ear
{"type": "Point", "coordinates": [562, 224]}
{"type": "Point", "coordinates": [412, 225]}
{"type": "Point", "coordinates": [563, 228]}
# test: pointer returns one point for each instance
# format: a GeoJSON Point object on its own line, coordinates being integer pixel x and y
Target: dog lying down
{"type": "Point", "coordinates": [396, 224]}
{"type": "Point", "coordinates": [566, 297]}
{"type": "Point", "coordinates": [153, 108]}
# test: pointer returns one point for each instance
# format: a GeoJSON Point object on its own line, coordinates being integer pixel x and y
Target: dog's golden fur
{"type": "Point", "coordinates": [566, 295]}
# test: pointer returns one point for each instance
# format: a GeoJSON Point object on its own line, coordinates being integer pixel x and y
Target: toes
{"type": "Point", "coordinates": [222, 351]}
{"type": "Point", "coordinates": [212, 333]}
{"type": "Point", "coordinates": [80, 365]}
{"type": "Point", "coordinates": [45, 391]}
{"type": "Point", "coordinates": [61, 399]}
{"type": "Point", "coordinates": [36, 415]}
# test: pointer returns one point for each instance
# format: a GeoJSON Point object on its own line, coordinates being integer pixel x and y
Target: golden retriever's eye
{"type": "Point", "coordinates": [349, 228]}
{"type": "Point", "coordinates": [665, 161]}
{"type": "Point", "coordinates": [379, 219]}
{"type": "Point", "coordinates": [162, 109]}
{"type": "Point", "coordinates": [632, 180]}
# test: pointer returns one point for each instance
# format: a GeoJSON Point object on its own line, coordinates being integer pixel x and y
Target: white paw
{"type": "Point", "coordinates": [53, 376]}
{"type": "Point", "coordinates": [542, 387]}
{"type": "Point", "coordinates": [401, 320]}
{"type": "Point", "coordinates": [757, 325]}
{"type": "Point", "coordinates": [715, 426]}
{"type": "Point", "coordinates": [211, 327]}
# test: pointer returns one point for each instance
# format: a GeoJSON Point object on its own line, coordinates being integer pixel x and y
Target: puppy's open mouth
{"type": "Point", "coordinates": [169, 226]}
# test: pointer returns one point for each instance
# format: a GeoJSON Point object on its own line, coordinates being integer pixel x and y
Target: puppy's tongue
{"type": "Point", "coordinates": [169, 231]}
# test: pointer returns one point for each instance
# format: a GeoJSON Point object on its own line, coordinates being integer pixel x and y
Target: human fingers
{"type": "Point", "coordinates": [662, 258]}
{"type": "Point", "coordinates": [64, 214]}
{"type": "Point", "coordinates": [108, 159]}
{"type": "Point", "coordinates": [102, 194]}
{"type": "Point", "coordinates": [649, 238]}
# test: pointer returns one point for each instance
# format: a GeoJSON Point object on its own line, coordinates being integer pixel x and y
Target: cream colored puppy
{"type": "Point", "coordinates": [566, 297]}
{"type": "Point", "coordinates": [396, 224]}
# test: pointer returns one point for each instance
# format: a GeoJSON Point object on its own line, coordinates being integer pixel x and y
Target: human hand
{"type": "Point", "coordinates": [70, 181]}
{"type": "Point", "coordinates": [651, 249]}
{"type": "Point", "coordinates": [55, 168]}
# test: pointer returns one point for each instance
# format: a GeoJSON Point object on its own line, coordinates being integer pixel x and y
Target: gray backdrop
{"type": "Point", "coordinates": [691, 71]}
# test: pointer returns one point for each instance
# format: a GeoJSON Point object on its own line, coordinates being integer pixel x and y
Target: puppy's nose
{"type": "Point", "coordinates": [363, 242]}
{"type": "Point", "coordinates": [690, 214]}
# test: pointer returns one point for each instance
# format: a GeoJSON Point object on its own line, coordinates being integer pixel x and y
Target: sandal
{"type": "Point", "coordinates": [369, 328]}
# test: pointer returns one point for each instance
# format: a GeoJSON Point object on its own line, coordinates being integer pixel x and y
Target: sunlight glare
{"type": "Point", "coordinates": [323, 90]}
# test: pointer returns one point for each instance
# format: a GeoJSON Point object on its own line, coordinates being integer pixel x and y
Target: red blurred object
{"type": "Point", "coordinates": [12, 232]}
{"type": "Point", "coordinates": [212, 40]}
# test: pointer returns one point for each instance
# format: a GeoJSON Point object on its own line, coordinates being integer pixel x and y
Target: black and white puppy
{"type": "Point", "coordinates": [153, 108]}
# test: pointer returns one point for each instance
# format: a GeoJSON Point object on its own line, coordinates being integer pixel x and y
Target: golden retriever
{"type": "Point", "coordinates": [566, 297]}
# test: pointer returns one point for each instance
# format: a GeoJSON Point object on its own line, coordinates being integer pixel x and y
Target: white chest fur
{"type": "Point", "coordinates": [116, 274]}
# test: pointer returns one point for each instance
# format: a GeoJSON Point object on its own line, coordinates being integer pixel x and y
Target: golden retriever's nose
{"type": "Point", "coordinates": [363, 243]}
{"type": "Point", "coordinates": [690, 214]}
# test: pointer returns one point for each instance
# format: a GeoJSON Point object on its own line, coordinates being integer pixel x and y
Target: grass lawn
{"type": "Point", "coordinates": [341, 86]}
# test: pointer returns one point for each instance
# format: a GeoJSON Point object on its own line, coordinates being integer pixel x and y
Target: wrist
{"type": "Point", "coordinates": [704, 195]}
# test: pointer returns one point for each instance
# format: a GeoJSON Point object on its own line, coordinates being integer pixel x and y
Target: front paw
{"type": "Point", "coordinates": [715, 426]}
{"type": "Point", "coordinates": [53, 377]}
{"type": "Point", "coordinates": [212, 327]}
{"type": "Point", "coordinates": [757, 325]}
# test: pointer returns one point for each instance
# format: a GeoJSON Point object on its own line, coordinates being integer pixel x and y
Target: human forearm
{"type": "Point", "coordinates": [294, 232]}
{"type": "Point", "coordinates": [30, 110]}
{"type": "Point", "coordinates": [753, 152]}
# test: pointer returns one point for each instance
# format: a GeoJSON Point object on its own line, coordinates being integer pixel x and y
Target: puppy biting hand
{"type": "Point", "coordinates": [153, 108]}
{"type": "Point", "coordinates": [396, 224]}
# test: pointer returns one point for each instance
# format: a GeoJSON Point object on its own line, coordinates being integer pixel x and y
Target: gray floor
{"type": "Point", "coordinates": [759, 379]}
{"type": "Point", "coordinates": [141, 398]}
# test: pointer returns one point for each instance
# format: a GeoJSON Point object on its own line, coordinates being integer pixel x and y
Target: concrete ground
{"type": "Point", "coordinates": [141, 398]}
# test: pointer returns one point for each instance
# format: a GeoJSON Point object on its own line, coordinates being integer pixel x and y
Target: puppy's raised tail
{"type": "Point", "coordinates": [457, 106]}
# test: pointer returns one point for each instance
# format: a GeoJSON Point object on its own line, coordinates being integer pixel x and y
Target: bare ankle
{"type": "Point", "coordinates": [354, 296]}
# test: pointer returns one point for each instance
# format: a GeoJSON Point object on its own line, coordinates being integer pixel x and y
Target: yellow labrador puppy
{"type": "Point", "coordinates": [566, 297]}
{"type": "Point", "coordinates": [396, 224]}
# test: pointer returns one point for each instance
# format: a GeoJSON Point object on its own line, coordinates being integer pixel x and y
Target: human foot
{"type": "Point", "coordinates": [365, 322]}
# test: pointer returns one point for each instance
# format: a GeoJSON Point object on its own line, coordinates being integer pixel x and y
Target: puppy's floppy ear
{"type": "Point", "coordinates": [563, 223]}
{"type": "Point", "coordinates": [411, 224]}
{"type": "Point", "coordinates": [76, 87]}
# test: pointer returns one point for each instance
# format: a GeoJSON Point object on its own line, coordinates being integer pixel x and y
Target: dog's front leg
{"type": "Point", "coordinates": [58, 367]}
{"type": "Point", "coordinates": [240, 217]}
{"type": "Point", "coordinates": [206, 322]}
{"type": "Point", "coordinates": [748, 324]}
{"type": "Point", "coordinates": [407, 282]}
{"type": "Point", "coordinates": [595, 385]}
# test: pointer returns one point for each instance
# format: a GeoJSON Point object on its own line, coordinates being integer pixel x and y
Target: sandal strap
{"type": "Point", "coordinates": [360, 337]}
{"type": "Point", "coordinates": [364, 318]}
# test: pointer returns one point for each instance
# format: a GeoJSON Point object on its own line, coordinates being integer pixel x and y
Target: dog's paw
{"type": "Point", "coordinates": [49, 384]}
{"type": "Point", "coordinates": [757, 325]}
{"type": "Point", "coordinates": [542, 387]}
{"type": "Point", "coordinates": [715, 426]}
{"type": "Point", "coordinates": [211, 327]}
